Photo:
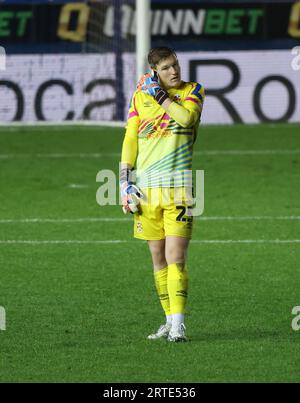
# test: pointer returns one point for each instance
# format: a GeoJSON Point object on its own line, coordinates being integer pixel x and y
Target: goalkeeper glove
{"type": "Point", "coordinates": [149, 84]}
{"type": "Point", "coordinates": [130, 193]}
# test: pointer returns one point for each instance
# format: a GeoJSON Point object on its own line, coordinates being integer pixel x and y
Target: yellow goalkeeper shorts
{"type": "Point", "coordinates": [164, 212]}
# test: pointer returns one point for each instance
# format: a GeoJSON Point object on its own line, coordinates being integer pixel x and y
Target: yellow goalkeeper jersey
{"type": "Point", "coordinates": [165, 140]}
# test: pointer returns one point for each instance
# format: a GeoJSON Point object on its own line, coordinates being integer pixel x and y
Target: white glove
{"type": "Point", "coordinates": [131, 196]}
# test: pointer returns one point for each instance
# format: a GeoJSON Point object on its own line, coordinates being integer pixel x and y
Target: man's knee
{"type": "Point", "coordinates": [175, 256]}
{"type": "Point", "coordinates": [158, 256]}
{"type": "Point", "coordinates": [157, 249]}
{"type": "Point", "coordinates": [176, 250]}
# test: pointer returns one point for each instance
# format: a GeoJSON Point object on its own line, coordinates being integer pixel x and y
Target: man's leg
{"type": "Point", "coordinates": [176, 256]}
{"type": "Point", "coordinates": [157, 249]}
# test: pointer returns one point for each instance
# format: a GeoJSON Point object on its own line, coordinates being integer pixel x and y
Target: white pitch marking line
{"type": "Point", "coordinates": [58, 242]}
{"type": "Point", "coordinates": [63, 220]}
{"type": "Point", "coordinates": [80, 124]}
{"type": "Point", "coordinates": [246, 241]}
{"type": "Point", "coordinates": [246, 152]}
{"type": "Point", "coordinates": [77, 186]}
{"type": "Point", "coordinates": [130, 218]}
{"type": "Point", "coordinates": [248, 218]}
{"type": "Point", "coordinates": [109, 154]}
{"type": "Point", "coordinates": [117, 241]}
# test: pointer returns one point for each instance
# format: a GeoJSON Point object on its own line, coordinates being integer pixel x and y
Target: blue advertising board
{"type": "Point", "coordinates": [63, 26]}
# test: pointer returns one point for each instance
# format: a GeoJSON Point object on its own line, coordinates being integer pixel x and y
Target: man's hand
{"type": "Point", "coordinates": [131, 196]}
{"type": "Point", "coordinates": [149, 84]}
{"type": "Point", "coordinates": [130, 193]}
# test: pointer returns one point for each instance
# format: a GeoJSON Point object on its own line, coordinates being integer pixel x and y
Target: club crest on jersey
{"type": "Point", "coordinates": [177, 97]}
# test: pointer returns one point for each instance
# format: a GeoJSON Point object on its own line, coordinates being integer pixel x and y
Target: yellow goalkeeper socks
{"type": "Point", "coordinates": [161, 283]}
{"type": "Point", "coordinates": [177, 287]}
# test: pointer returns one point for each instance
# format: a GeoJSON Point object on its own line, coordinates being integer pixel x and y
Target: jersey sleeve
{"type": "Point", "coordinates": [130, 142]}
{"type": "Point", "coordinates": [188, 113]}
{"type": "Point", "coordinates": [133, 119]}
{"type": "Point", "coordinates": [195, 99]}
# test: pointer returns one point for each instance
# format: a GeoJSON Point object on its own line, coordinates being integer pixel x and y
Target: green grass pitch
{"type": "Point", "coordinates": [80, 312]}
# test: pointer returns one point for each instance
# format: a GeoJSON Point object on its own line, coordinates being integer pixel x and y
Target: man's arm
{"type": "Point", "coordinates": [129, 192]}
{"type": "Point", "coordinates": [181, 114]}
{"type": "Point", "coordinates": [129, 151]}
{"type": "Point", "coordinates": [187, 114]}
{"type": "Point", "coordinates": [130, 142]}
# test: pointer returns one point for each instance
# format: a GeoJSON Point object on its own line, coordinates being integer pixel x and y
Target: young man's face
{"type": "Point", "coordinates": [168, 71]}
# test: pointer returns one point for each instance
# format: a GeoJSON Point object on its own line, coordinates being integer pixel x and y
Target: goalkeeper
{"type": "Point", "coordinates": [162, 125]}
